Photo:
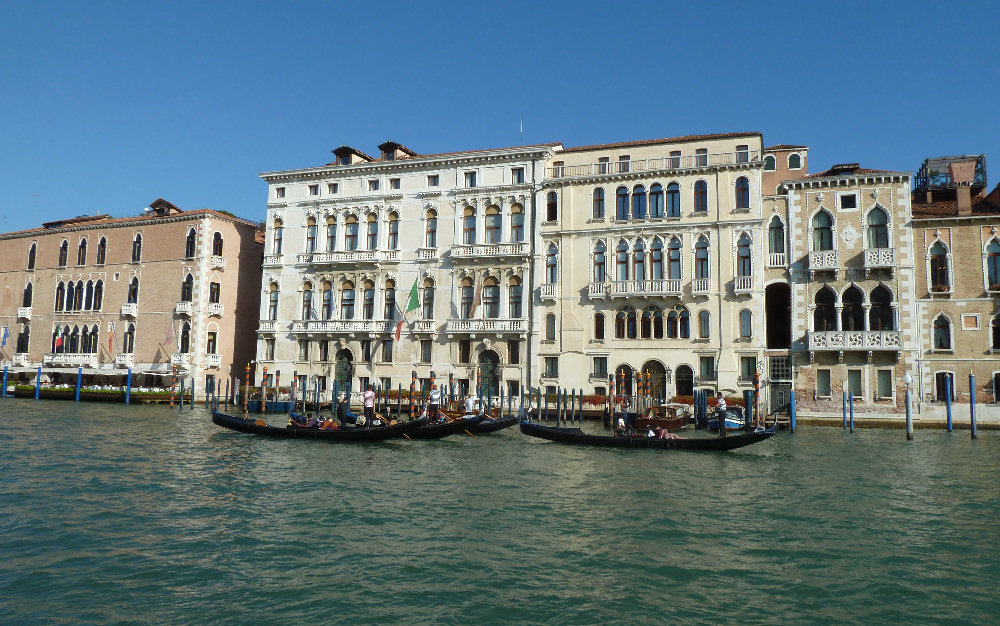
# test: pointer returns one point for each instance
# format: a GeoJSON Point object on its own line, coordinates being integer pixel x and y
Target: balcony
{"type": "Point", "coordinates": [863, 340]}
{"type": "Point", "coordinates": [184, 308]}
{"type": "Point", "coordinates": [351, 257]}
{"type": "Point", "coordinates": [776, 259]}
{"type": "Point", "coordinates": [125, 360]}
{"type": "Point", "coordinates": [213, 360]}
{"type": "Point", "coordinates": [598, 290]}
{"type": "Point", "coordinates": [24, 313]}
{"type": "Point", "coordinates": [743, 284]}
{"type": "Point", "coordinates": [70, 360]}
{"type": "Point", "coordinates": [130, 309]}
{"type": "Point", "coordinates": [690, 161]}
{"type": "Point", "coordinates": [824, 260]}
{"type": "Point", "coordinates": [700, 286]}
{"type": "Point", "coordinates": [549, 291]}
{"type": "Point", "coordinates": [217, 262]}
{"type": "Point", "coordinates": [424, 326]}
{"type": "Point", "coordinates": [21, 359]}
{"type": "Point", "coordinates": [216, 309]}
{"type": "Point", "coordinates": [880, 258]}
{"type": "Point", "coordinates": [268, 326]}
{"type": "Point", "coordinates": [371, 327]}
{"type": "Point", "coordinates": [490, 251]}
{"type": "Point", "coordinates": [182, 360]}
{"type": "Point", "coordinates": [499, 325]}
{"type": "Point", "coordinates": [652, 287]}
{"type": "Point", "coordinates": [426, 254]}
{"type": "Point", "coordinates": [272, 260]}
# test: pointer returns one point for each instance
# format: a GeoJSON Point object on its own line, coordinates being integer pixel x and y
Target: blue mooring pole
{"type": "Point", "coordinates": [128, 386]}
{"type": "Point", "coordinates": [947, 400]}
{"type": "Point", "coordinates": [843, 402]}
{"type": "Point", "coordinates": [79, 379]}
{"type": "Point", "coordinates": [850, 399]}
{"type": "Point", "coordinates": [3, 394]}
{"type": "Point", "coordinates": [182, 394]}
{"type": "Point", "coordinates": [227, 394]}
{"type": "Point", "coordinates": [191, 403]}
{"type": "Point", "coordinates": [909, 416]}
{"type": "Point", "coordinates": [38, 381]}
{"type": "Point", "coordinates": [791, 411]}
{"type": "Point", "coordinates": [972, 405]}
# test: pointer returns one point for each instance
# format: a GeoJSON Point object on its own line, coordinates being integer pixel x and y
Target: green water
{"type": "Point", "coordinates": [109, 514]}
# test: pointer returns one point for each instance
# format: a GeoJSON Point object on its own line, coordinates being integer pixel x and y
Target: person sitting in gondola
{"type": "Point", "coordinates": [343, 408]}
{"type": "Point", "coordinates": [329, 424]}
{"type": "Point", "coordinates": [620, 429]}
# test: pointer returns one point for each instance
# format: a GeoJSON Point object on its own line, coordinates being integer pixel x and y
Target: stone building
{"type": "Point", "coordinates": [167, 288]}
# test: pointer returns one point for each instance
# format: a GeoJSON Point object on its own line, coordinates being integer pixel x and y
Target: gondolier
{"type": "Point", "coordinates": [434, 398]}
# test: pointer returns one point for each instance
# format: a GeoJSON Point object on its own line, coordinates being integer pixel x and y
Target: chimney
{"type": "Point", "coordinates": [963, 193]}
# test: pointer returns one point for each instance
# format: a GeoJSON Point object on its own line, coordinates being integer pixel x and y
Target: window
{"type": "Point", "coordinates": [464, 351]}
{"type": "Point", "coordinates": [621, 261]}
{"type": "Point", "coordinates": [279, 192]}
{"type": "Point", "coordinates": [675, 159]}
{"type": "Point", "coordinates": [189, 244]}
{"type": "Point", "coordinates": [347, 302]}
{"type": "Point", "coordinates": [128, 341]}
{"type": "Point", "coordinates": [939, 267]}
{"type": "Point", "coordinates": [393, 241]}
{"type": "Point", "coordinates": [389, 308]}
{"type": "Point", "coordinates": [272, 303]}
{"type": "Point", "coordinates": [656, 200]}
{"type": "Point", "coordinates": [600, 366]}
{"type": "Point", "coordinates": [701, 197]}
{"type": "Point", "coordinates": [673, 200]}
{"type": "Point", "coordinates": [332, 188]}
{"type": "Point", "coordinates": [187, 289]}
{"type": "Point", "coordinates": [425, 350]}
{"type": "Point", "coordinates": [550, 327]}
{"type": "Point", "coordinates": [26, 299]}
{"type": "Point", "coordinates": [878, 230]}
{"type": "Point", "coordinates": [825, 313]}
{"type": "Point", "coordinates": [433, 180]}
{"type": "Point", "coordinates": [516, 223]}
{"type": "Point", "coordinates": [880, 315]}
{"type": "Point", "coordinates": [394, 183]}
{"type": "Point", "coordinates": [602, 165]}
{"type": "Point", "coordinates": [600, 262]}
{"type": "Point", "coordinates": [387, 351]}
{"type": "Point", "coordinates": [277, 237]}
{"type": "Point", "coordinates": [794, 161]}
{"type": "Point", "coordinates": [327, 301]}
{"type": "Point", "coordinates": [639, 260]}
{"type": "Point", "coordinates": [214, 292]}
{"type": "Point", "coordinates": [366, 354]}
{"type": "Point", "coordinates": [995, 333]}
{"type": "Point", "coordinates": [368, 301]}
{"type": "Point", "coordinates": [311, 235]}
{"type": "Point", "coordinates": [623, 164]}
{"type": "Point", "coordinates": [467, 298]}
{"type": "Point", "coordinates": [493, 225]}
{"type": "Point", "coordinates": [701, 267]}
{"type": "Point", "coordinates": [638, 202]}
{"type": "Point", "coordinates": [823, 383]}
{"type": "Point", "coordinates": [514, 352]}
{"type": "Point", "coordinates": [742, 154]}
{"type": "Point", "coordinates": [746, 327]}
{"type": "Point", "coordinates": [944, 382]}
{"type": "Point", "coordinates": [470, 180]}
{"type": "Point", "coordinates": [776, 236]}
{"type": "Point", "coordinates": [743, 265]}
{"type": "Point", "coordinates": [63, 253]}
{"type": "Point", "coordinates": [351, 233]}
{"type": "Point", "coordinates": [551, 367]}
{"type": "Point", "coordinates": [216, 244]}
{"type": "Point", "coordinates": [428, 303]}
{"type": "Point", "coordinates": [599, 203]}
{"type": "Point", "coordinates": [185, 344]}
{"type": "Point", "coordinates": [373, 185]}
{"type": "Point", "coordinates": [769, 163]}
{"type": "Point", "coordinates": [133, 291]}
{"type": "Point", "coordinates": [430, 236]}
{"type": "Point", "coordinates": [469, 227]}
{"type": "Point", "coordinates": [303, 350]}
{"type": "Point", "coordinates": [706, 367]}
{"type": "Point", "coordinates": [599, 326]}
{"type": "Point", "coordinates": [212, 344]}
{"type": "Point", "coordinates": [551, 265]}
{"type": "Point", "coordinates": [993, 265]}
{"type": "Point", "coordinates": [848, 201]}
{"type": "Point", "coordinates": [31, 256]}
{"type": "Point", "coordinates": [852, 315]}
{"type": "Point", "coordinates": [324, 350]}
{"type": "Point", "coordinates": [854, 383]}
{"type": "Point", "coordinates": [313, 190]}
{"type": "Point", "coordinates": [551, 207]}
{"type": "Point", "coordinates": [942, 333]}
{"type": "Point", "coordinates": [704, 328]}
{"type": "Point", "coordinates": [742, 193]}
{"type": "Point", "coordinates": [517, 176]}
{"type": "Point", "coordinates": [307, 302]}
{"type": "Point", "coordinates": [701, 157]}
{"type": "Point", "coordinates": [81, 253]}
{"type": "Point", "coordinates": [822, 232]}
{"type": "Point", "coordinates": [331, 234]}
{"type": "Point", "coordinates": [514, 298]}
{"type": "Point", "coordinates": [884, 383]}
{"type": "Point", "coordinates": [621, 203]}
{"type": "Point", "coordinates": [748, 367]}
{"type": "Point", "coordinates": [372, 232]}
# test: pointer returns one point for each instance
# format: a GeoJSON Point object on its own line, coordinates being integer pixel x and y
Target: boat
{"type": "Point", "coordinates": [438, 430]}
{"type": "Point", "coordinates": [492, 425]}
{"type": "Point", "coordinates": [258, 427]}
{"type": "Point", "coordinates": [666, 417]}
{"type": "Point", "coordinates": [578, 437]}
{"type": "Point", "coordinates": [734, 420]}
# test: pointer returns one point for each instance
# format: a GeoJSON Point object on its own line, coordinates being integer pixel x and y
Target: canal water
{"type": "Point", "coordinates": [146, 514]}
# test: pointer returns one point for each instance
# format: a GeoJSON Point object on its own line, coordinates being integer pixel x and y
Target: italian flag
{"type": "Point", "coordinates": [58, 338]}
{"type": "Point", "coordinates": [412, 304]}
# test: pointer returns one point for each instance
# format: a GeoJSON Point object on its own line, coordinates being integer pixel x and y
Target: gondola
{"type": "Point", "coordinates": [343, 434]}
{"type": "Point", "coordinates": [493, 425]}
{"type": "Point", "coordinates": [438, 430]}
{"type": "Point", "coordinates": [577, 436]}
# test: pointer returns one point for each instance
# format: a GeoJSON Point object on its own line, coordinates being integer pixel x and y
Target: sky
{"type": "Point", "coordinates": [107, 106]}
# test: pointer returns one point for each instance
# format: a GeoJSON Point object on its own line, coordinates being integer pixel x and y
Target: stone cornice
{"type": "Point", "coordinates": [663, 173]}
{"type": "Point", "coordinates": [130, 223]}
{"type": "Point", "coordinates": [856, 179]}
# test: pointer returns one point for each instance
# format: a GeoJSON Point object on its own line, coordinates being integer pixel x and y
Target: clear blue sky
{"type": "Point", "coordinates": [105, 106]}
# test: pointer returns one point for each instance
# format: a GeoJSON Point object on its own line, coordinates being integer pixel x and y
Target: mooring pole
{"type": "Point", "coordinates": [399, 402]}
{"type": "Point", "coordinates": [182, 394]}
{"type": "Point", "coordinates": [791, 411]}
{"type": "Point", "coordinates": [263, 390]}
{"type": "Point", "coordinates": [3, 394]}
{"type": "Point", "coordinates": [79, 380]}
{"type": "Point", "coordinates": [947, 400]}
{"type": "Point", "coordinates": [173, 384]}
{"type": "Point", "coordinates": [850, 399]}
{"type": "Point", "coordinates": [972, 405]}
{"type": "Point", "coordinates": [128, 386]}
{"type": "Point", "coordinates": [413, 388]}
{"type": "Point", "coordinates": [191, 398]}
{"type": "Point", "coordinates": [246, 390]}
{"type": "Point", "coordinates": [38, 381]}
{"type": "Point", "coordinates": [227, 393]}
{"type": "Point", "coordinates": [843, 404]}
{"type": "Point", "coordinates": [909, 411]}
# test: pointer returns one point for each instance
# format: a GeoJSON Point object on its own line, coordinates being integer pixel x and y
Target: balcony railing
{"type": "Point", "coordinates": [700, 285]}
{"type": "Point", "coordinates": [598, 290]}
{"type": "Point", "coordinates": [426, 254]}
{"type": "Point", "coordinates": [824, 260]}
{"type": "Point", "coordinates": [74, 360]}
{"type": "Point", "coordinates": [24, 313]}
{"type": "Point", "coordinates": [216, 309]}
{"type": "Point", "coordinates": [651, 287]}
{"type": "Point", "coordinates": [500, 325]}
{"type": "Point", "coordinates": [184, 308]}
{"type": "Point", "coordinates": [490, 250]}
{"type": "Point", "coordinates": [705, 379]}
{"type": "Point", "coordinates": [272, 260]}
{"type": "Point", "coordinates": [855, 340]}
{"type": "Point", "coordinates": [181, 360]}
{"type": "Point", "coordinates": [424, 326]}
{"type": "Point", "coordinates": [650, 165]}
{"type": "Point", "coordinates": [549, 290]}
{"type": "Point", "coordinates": [218, 262]}
{"type": "Point", "coordinates": [776, 259]}
{"type": "Point", "coordinates": [344, 326]}
{"type": "Point", "coordinates": [743, 284]}
{"type": "Point", "coordinates": [213, 360]}
{"type": "Point", "coordinates": [878, 258]}
{"type": "Point", "coordinates": [130, 309]}
{"type": "Point", "coordinates": [268, 326]}
{"type": "Point", "coordinates": [348, 256]}
{"type": "Point", "coordinates": [124, 360]}
{"type": "Point", "coordinates": [21, 359]}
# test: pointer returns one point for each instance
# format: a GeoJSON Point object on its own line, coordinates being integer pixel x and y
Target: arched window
{"type": "Point", "coordinates": [469, 226]}
{"type": "Point", "coordinates": [347, 301]}
{"type": "Point", "coordinates": [552, 265]}
{"type": "Point", "coordinates": [84, 342]}
{"type": "Point", "coordinates": [746, 324]}
{"type": "Point", "coordinates": [621, 203]}
{"type": "Point", "coordinates": [704, 325]}
{"type": "Point", "coordinates": [272, 302]}
{"type": "Point", "coordinates": [550, 327]}
{"type": "Point", "coordinates": [128, 341]}
{"type": "Point", "coordinates": [393, 243]}
{"type": "Point", "coordinates": [630, 324]}
{"type": "Point", "coordinates": [600, 262]}
{"type": "Point", "coordinates": [993, 265]}
{"type": "Point", "coordinates": [95, 334]}
{"type": "Point", "coordinates": [825, 313]}
{"type": "Point", "coordinates": [621, 261]}
{"type": "Point", "coordinates": [102, 251]}
{"type": "Point", "coordinates": [26, 299]}
{"type": "Point", "coordinates": [673, 200]}
{"type": "Point", "coordinates": [769, 163]}
{"type": "Point", "coordinates": [794, 161]}
{"type": "Point", "coordinates": [351, 233]}
{"type": "Point", "coordinates": [514, 298]}
{"type": "Point", "coordinates": [685, 323]}
{"type": "Point", "coordinates": [639, 260]}
{"type": "Point", "coordinates": [599, 203]}
{"type": "Point", "coordinates": [743, 265]}
{"type": "Point", "coordinates": [551, 207]}
{"type": "Point", "coordinates": [822, 232]}
{"type": "Point", "coordinates": [430, 235]}
{"type": "Point", "coordinates": [70, 290]}
{"type": "Point", "coordinates": [137, 248]}
{"type": "Point", "coordinates": [372, 232]}
{"type": "Point", "coordinates": [674, 258]}
{"type": "Point", "coordinates": [878, 229]}
{"type": "Point", "coordinates": [657, 324]}
{"type": "Point", "coordinates": [942, 333]}
{"type": "Point", "coordinates": [701, 268]}
{"type": "Point", "coordinates": [638, 202]}
{"type": "Point", "coordinates": [327, 301]}
{"type": "Point", "coordinates": [24, 339]}
{"type": "Point", "coordinates": [63, 253]}
{"type": "Point", "coordinates": [428, 302]}
{"type": "Point", "coordinates": [776, 236]}
{"type": "Point", "coordinates": [389, 304]}
{"type": "Point", "coordinates": [81, 253]}
{"type": "Point", "coordinates": [939, 267]}
{"type": "Point", "coordinates": [467, 299]}
{"type": "Point", "coordinates": [368, 300]}
{"type": "Point", "coordinates": [307, 301]}
{"type": "Point", "coordinates": [598, 325]}
{"type": "Point", "coordinates": [189, 245]}
{"type": "Point", "coordinates": [277, 237]}
{"type": "Point", "coordinates": [995, 333]}
{"type": "Point", "coordinates": [217, 244]}
{"type": "Point", "coordinates": [880, 315]}
{"type": "Point", "coordinates": [187, 289]}
{"type": "Point", "coordinates": [31, 256]}
{"type": "Point", "coordinates": [492, 225]}
{"type": "Point", "coordinates": [78, 296]}
{"type": "Point", "coordinates": [620, 325]}
{"type": "Point", "coordinates": [185, 346]}
{"type": "Point", "coordinates": [673, 324]}
{"type": "Point", "coordinates": [311, 234]}
{"type": "Point", "coordinates": [88, 301]}
{"type": "Point", "coordinates": [516, 223]}
{"type": "Point", "coordinates": [852, 315]}
{"type": "Point", "coordinates": [656, 200]}
{"type": "Point", "coordinates": [656, 260]}
{"type": "Point", "coordinates": [646, 324]}
{"type": "Point", "coordinates": [331, 234]}
{"type": "Point", "coordinates": [98, 295]}
{"type": "Point", "coordinates": [133, 290]}
{"type": "Point", "coordinates": [742, 192]}
{"type": "Point", "coordinates": [701, 197]}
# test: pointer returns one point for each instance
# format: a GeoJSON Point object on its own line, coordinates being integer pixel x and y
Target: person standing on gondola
{"type": "Point", "coordinates": [434, 398]}
{"type": "Point", "coordinates": [342, 410]}
{"type": "Point", "coordinates": [369, 401]}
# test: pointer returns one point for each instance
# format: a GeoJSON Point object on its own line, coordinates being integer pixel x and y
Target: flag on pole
{"type": "Point", "coordinates": [3, 342]}
{"type": "Point", "coordinates": [170, 333]}
{"type": "Point", "coordinates": [58, 337]}
{"type": "Point", "coordinates": [412, 304]}
{"type": "Point", "coordinates": [111, 336]}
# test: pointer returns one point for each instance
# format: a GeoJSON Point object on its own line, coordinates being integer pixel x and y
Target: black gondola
{"type": "Point", "coordinates": [492, 425]}
{"type": "Point", "coordinates": [577, 436]}
{"type": "Point", "coordinates": [342, 434]}
{"type": "Point", "coordinates": [437, 430]}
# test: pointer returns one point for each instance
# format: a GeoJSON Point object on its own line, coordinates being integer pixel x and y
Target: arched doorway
{"type": "Point", "coordinates": [778, 316]}
{"type": "Point", "coordinates": [344, 368]}
{"type": "Point", "coordinates": [489, 372]}
{"type": "Point", "coordinates": [684, 385]}
{"type": "Point", "coordinates": [623, 380]}
{"type": "Point", "coordinates": [658, 378]}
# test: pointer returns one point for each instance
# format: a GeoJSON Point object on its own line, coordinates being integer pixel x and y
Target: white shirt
{"type": "Point", "coordinates": [722, 404]}
{"type": "Point", "coordinates": [470, 405]}
{"type": "Point", "coordinates": [435, 396]}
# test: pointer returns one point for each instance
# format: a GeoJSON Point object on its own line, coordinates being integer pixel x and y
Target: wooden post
{"type": "Point", "coordinates": [263, 391]}
{"type": "Point", "coordinates": [173, 384]}
{"type": "Point", "coordinates": [128, 386]}
{"type": "Point", "coordinates": [246, 389]}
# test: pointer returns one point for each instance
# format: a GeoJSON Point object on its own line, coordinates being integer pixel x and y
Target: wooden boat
{"type": "Point", "coordinates": [493, 425]}
{"type": "Point", "coordinates": [342, 434]}
{"type": "Point", "coordinates": [666, 417]}
{"type": "Point", "coordinates": [734, 420]}
{"type": "Point", "coordinates": [443, 429]}
{"type": "Point", "coordinates": [577, 436]}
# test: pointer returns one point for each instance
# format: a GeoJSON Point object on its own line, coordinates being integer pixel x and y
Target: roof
{"type": "Point", "coordinates": [414, 155]}
{"type": "Point", "coordinates": [848, 169]}
{"type": "Point", "coordinates": [988, 204]}
{"type": "Point", "coordinates": [785, 146]}
{"type": "Point", "coordinates": [76, 221]}
{"type": "Point", "coordinates": [653, 142]}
